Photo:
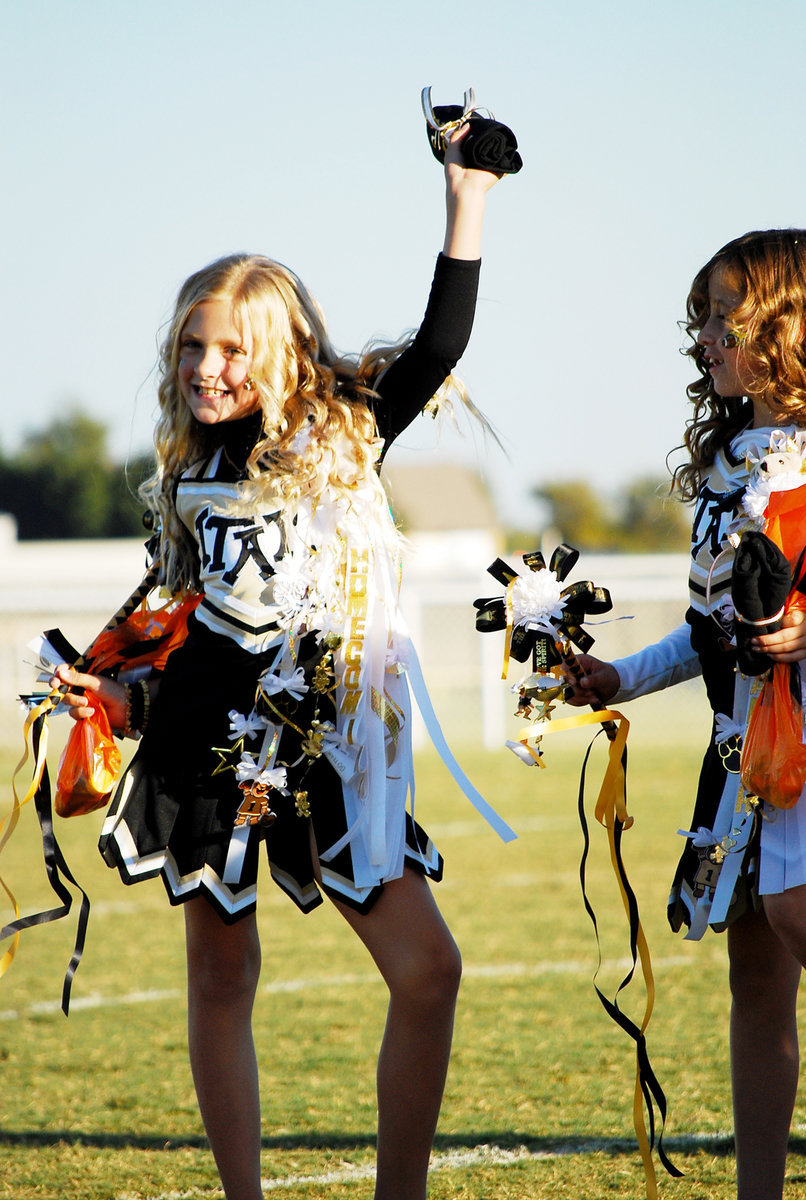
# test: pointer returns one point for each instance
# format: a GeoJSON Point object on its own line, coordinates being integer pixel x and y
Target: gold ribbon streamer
{"type": "Point", "coordinates": [391, 714]}
{"type": "Point", "coordinates": [611, 807]}
{"type": "Point", "coordinates": [9, 822]}
{"type": "Point", "coordinates": [612, 795]}
{"type": "Point", "coordinates": [510, 624]}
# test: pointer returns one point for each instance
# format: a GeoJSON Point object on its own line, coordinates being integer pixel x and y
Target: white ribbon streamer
{"type": "Point", "coordinates": [236, 854]}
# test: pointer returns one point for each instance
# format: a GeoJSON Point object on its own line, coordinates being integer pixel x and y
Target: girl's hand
{"type": "Point", "coordinates": [599, 683]}
{"type": "Point", "coordinates": [788, 644]}
{"type": "Point", "coordinates": [108, 692]}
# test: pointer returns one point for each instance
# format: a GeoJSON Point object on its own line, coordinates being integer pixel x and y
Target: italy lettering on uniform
{"type": "Point", "coordinates": [713, 513]}
{"type": "Point", "coordinates": [227, 544]}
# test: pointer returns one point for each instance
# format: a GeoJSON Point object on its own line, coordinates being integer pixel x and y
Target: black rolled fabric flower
{"type": "Point", "coordinates": [487, 146]}
{"type": "Point", "coordinates": [761, 582]}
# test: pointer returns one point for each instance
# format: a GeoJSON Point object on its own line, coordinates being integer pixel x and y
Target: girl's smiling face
{"type": "Point", "coordinates": [721, 343]}
{"type": "Point", "coordinates": [214, 361]}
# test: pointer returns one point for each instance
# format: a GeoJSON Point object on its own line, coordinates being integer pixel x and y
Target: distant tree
{"type": "Point", "coordinates": [641, 518]}
{"type": "Point", "coordinates": [580, 515]}
{"type": "Point", "coordinates": [653, 520]}
{"type": "Point", "coordinates": [63, 483]}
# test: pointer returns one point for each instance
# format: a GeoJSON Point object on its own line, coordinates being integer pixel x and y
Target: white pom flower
{"type": "Point", "coordinates": [289, 589]}
{"type": "Point", "coordinates": [537, 601]}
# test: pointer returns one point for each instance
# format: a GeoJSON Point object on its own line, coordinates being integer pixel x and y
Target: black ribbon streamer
{"type": "Point", "coordinates": [648, 1081]}
{"type": "Point", "coordinates": [56, 867]}
{"type": "Point", "coordinates": [55, 862]}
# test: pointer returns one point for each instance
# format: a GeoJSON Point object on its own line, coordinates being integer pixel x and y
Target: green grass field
{"type": "Point", "coordinates": [539, 1095]}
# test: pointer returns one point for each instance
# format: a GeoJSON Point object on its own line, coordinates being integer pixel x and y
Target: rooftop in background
{"type": "Point", "coordinates": [438, 497]}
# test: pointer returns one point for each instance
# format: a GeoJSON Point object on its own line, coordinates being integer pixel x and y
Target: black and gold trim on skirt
{"type": "Point", "coordinates": [173, 815]}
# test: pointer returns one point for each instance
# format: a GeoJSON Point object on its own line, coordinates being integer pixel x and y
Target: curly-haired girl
{"type": "Point", "coordinates": [744, 867]}
{"type": "Point", "coordinates": [285, 715]}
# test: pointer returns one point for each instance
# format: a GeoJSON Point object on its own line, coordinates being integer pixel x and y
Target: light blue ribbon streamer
{"type": "Point", "coordinates": [420, 691]}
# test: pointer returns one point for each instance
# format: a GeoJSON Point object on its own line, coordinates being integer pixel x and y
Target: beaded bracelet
{"type": "Point", "coordinates": [138, 707]}
{"type": "Point", "coordinates": [146, 706]}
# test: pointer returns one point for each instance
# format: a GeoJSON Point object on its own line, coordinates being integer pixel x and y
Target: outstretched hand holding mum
{"type": "Point", "coordinates": [600, 680]}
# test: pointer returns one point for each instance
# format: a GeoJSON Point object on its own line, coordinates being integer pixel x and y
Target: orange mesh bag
{"type": "Point", "coordinates": [773, 763]}
{"type": "Point", "coordinates": [89, 765]}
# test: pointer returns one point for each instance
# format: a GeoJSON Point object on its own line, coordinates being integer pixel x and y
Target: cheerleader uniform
{"type": "Point", "coordinates": [758, 848]}
{"type": "Point", "coordinates": [292, 676]}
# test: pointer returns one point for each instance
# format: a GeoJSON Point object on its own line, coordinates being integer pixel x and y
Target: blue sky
{"type": "Point", "coordinates": [143, 140]}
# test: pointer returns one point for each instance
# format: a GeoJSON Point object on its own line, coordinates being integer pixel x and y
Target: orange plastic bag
{"type": "Point", "coordinates": [147, 636]}
{"type": "Point", "coordinates": [773, 763]}
{"type": "Point", "coordinates": [88, 767]}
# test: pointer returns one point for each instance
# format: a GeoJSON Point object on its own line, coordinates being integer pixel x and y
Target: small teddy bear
{"type": "Point", "coordinates": [782, 468]}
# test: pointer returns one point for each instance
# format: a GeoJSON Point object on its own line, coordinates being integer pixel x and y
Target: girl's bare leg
{"type": "Point", "coordinates": [223, 970]}
{"type": "Point", "coordinates": [764, 977]}
{"type": "Point", "coordinates": [419, 960]}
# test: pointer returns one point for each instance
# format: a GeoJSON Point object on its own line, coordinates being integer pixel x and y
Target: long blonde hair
{"type": "Point", "coordinates": [301, 384]}
{"type": "Point", "coordinates": [767, 269]}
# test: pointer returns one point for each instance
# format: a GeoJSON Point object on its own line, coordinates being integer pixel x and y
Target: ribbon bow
{"type": "Point", "coordinates": [249, 770]}
{"type": "Point", "coordinates": [537, 613]}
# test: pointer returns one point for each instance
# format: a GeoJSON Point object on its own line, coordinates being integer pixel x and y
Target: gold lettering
{"type": "Point", "coordinates": [352, 678]}
{"type": "Point", "coordinates": [359, 561]}
{"type": "Point", "coordinates": [355, 631]}
{"type": "Point", "coordinates": [358, 586]}
{"type": "Point", "coordinates": [352, 653]}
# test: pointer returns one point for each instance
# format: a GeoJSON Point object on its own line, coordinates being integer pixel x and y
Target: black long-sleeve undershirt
{"type": "Point", "coordinates": [411, 380]}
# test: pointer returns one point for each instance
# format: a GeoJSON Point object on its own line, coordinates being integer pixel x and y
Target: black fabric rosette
{"type": "Point", "coordinates": [760, 584]}
{"type": "Point", "coordinates": [579, 600]}
{"type": "Point", "coordinates": [487, 146]}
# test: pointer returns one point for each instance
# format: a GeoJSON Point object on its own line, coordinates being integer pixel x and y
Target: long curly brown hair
{"type": "Point", "coordinates": [301, 383]}
{"type": "Point", "coordinates": [767, 270]}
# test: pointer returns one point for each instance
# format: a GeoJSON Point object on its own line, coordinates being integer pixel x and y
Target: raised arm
{"type": "Point", "coordinates": [409, 383]}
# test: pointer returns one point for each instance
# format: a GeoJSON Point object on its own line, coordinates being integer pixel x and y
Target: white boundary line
{"type": "Point", "coordinates": [280, 986]}
{"type": "Point", "coordinates": [482, 1155]}
{"type": "Point", "coordinates": [452, 1159]}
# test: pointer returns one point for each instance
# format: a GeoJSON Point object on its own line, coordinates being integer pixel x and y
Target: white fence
{"type": "Point", "coordinates": [77, 585]}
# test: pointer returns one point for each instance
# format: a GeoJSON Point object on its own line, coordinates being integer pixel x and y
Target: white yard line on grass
{"type": "Point", "coordinates": [483, 1155]}
{"type": "Point", "coordinates": [450, 1160]}
{"type": "Point", "coordinates": [279, 986]}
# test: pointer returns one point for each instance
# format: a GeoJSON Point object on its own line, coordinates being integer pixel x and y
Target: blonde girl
{"type": "Point", "coordinates": [283, 721]}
